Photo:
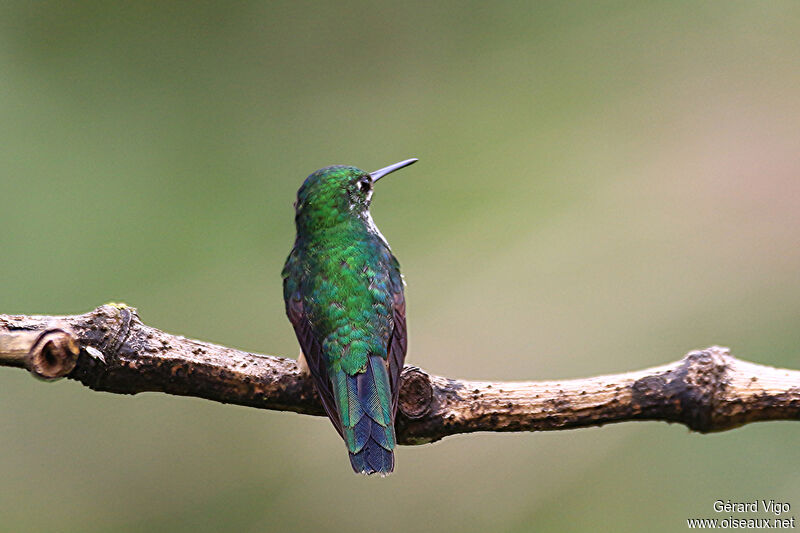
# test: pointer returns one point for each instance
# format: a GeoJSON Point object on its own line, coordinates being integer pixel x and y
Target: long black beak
{"type": "Point", "coordinates": [378, 174]}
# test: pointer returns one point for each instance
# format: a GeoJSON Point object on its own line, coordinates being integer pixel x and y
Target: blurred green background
{"type": "Point", "coordinates": [601, 188]}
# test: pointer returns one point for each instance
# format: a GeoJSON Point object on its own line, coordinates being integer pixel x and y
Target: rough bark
{"type": "Point", "coordinates": [110, 349]}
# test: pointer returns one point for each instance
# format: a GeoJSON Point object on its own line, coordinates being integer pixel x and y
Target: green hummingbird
{"type": "Point", "coordinates": [344, 296]}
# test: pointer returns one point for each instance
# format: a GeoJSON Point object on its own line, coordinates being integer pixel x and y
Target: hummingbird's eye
{"type": "Point", "coordinates": [365, 184]}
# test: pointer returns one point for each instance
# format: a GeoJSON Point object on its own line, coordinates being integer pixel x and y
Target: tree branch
{"type": "Point", "coordinates": [110, 349]}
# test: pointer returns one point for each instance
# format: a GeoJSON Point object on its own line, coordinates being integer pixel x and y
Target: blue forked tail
{"type": "Point", "coordinates": [364, 403]}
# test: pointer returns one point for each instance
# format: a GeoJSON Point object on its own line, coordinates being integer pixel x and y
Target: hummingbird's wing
{"type": "Point", "coordinates": [314, 357]}
{"type": "Point", "coordinates": [398, 341]}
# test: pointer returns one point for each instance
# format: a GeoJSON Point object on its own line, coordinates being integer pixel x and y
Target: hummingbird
{"type": "Point", "coordinates": [344, 297]}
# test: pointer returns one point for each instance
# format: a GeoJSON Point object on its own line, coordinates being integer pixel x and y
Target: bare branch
{"type": "Point", "coordinates": [110, 349]}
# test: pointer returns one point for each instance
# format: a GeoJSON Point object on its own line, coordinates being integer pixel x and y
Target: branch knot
{"type": "Point", "coordinates": [686, 393]}
{"type": "Point", "coordinates": [416, 392]}
{"type": "Point", "coordinates": [54, 353]}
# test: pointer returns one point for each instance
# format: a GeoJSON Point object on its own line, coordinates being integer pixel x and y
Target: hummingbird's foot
{"type": "Point", "coordinates": [303, 365]}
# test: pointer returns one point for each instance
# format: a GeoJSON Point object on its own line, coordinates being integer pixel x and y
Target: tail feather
{"type": "Point", "coordinates": [374, 392]}
{"type": "Point", "coordinates": [373, 459]}
{"type": "Point", "coordinates": [383, 436]}
{"type": "Point", "coordinates": [363, 432]}
{"type": "Point", "coordinates": [364, 405]}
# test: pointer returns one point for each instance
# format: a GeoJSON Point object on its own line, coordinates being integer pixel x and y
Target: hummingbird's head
{"type": "Point", "coordinates": [334, 194]}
